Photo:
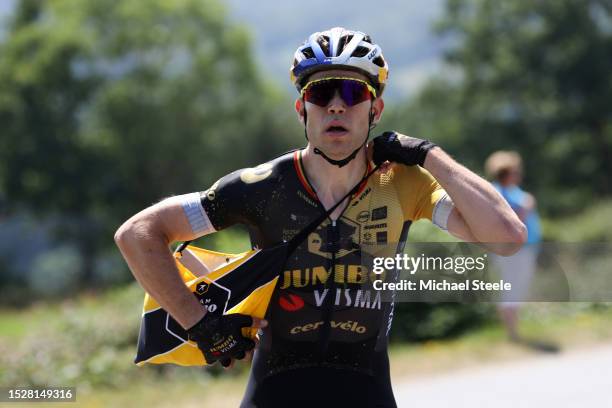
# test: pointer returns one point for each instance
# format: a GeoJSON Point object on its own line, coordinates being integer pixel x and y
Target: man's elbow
{"type": "Point", "coordinates": [515, 236]}
{"type": "Point", "coordinates": [124, 235]}
{"type": "Point", "coordinates": [516, 231]}
{"type": "Point", "coordinates": [132, 231]}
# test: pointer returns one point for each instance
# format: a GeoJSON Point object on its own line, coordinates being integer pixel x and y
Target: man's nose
{"type": "Point", "coordinates": [336, 104]}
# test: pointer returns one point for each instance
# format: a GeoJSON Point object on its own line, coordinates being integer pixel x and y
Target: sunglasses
{"type": "Point", "coordinates": [352, 91]}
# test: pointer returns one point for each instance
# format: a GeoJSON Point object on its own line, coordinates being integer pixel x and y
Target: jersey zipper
{"type": "Point", "coordinates": [330, 286]}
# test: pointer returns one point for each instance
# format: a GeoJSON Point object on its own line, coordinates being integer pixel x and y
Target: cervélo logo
{"type": "Point", "coordinates": [348, 326]}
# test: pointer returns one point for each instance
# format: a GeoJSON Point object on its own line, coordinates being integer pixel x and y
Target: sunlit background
{"type": "Point", "coordinates": [107, 107]}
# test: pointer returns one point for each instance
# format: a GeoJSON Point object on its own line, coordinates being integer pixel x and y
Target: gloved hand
{"type": "Point", "coordinates": [400, 149]}
{"type": "Point", "coordinates": [220, 338]}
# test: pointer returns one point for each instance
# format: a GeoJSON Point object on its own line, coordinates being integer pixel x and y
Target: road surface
{"type": "Point", "coordinates": [569, 379]}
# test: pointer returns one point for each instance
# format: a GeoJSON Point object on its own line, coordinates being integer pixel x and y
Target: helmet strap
{"type": "Point", "coordinates": [350, 157]}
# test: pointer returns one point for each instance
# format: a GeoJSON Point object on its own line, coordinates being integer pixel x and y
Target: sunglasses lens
{"type": "Point", "coordinates": [353, 92]}
{"type": "Point", "coordinates": [322, 92]}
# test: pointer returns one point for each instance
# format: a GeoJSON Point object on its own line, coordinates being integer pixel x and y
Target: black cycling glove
{"type": "Point", "coordinates": [220, 338]}
{"type": "Point", "coordinates": [405, 150]}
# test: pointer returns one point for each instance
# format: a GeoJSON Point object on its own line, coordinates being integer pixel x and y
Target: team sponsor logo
{"type": "Point", "coordinates": [381, 237]}
{"type": "Point", "coordinates": [379, 213]}
{"type": "Point", "coordinates": [224, 347]}
{"type": "Point", "coordinates": [202, 288]}
{"type": "Point", "coordinates": [392, 304]}
{"type": "Point", "coordinates": [348, 326]}
{"type": "Point", "coordinates": [361, 298]}
{"type": "Point", "coordinates": [342, 297]}
{"type": "Point", "coordinates": [210, 194]}
{"type": "Point", "coordinates": [319, 241]}
{"type": "Point", "coordinates": [290, 302]}
{"type": "Point", "coordinates": [363, 216]}
{"type": "Point", "coordinates": [212, 296]}
{"type": "Point", "coordinates": [208, 305]}
{"type": "Point", "coordinates": [318, 275]}
{"type": "Point", "coordinates": [255, 174]}
{"type": "Point", "coordinates": [362, 196]}
{"type": "Point", "coordinates": [306, 198]}
{"type": "Point", "coordinates": [372, 226]}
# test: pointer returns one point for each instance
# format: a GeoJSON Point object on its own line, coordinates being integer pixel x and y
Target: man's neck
{"type": "Point", "coordinates": [331, 182]}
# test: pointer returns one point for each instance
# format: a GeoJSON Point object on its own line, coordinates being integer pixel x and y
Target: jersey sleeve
{"type": "Point", "coordinates": [418, 191]}
{"type": "Point", "coordinates": [225, 202]}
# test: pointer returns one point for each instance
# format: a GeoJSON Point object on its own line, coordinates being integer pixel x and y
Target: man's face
{"type": "Point", "coordinates": [338, 129]}
{"type": "Point", "coordinates": [513, 177]}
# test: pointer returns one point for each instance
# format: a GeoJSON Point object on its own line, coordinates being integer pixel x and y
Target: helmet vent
{"type": "Point", "coordinates": [324, 44]}
{"type": "Point", "coordinates": [308, 53]}
{"type": "Point", "coordinates": [360, 51]}
{"type": "Point", "coordinates": [342, 43]}
{"type": "Point", "coordinates": [379, 61]}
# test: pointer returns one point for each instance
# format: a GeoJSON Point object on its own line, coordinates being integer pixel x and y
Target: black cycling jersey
{"type": "Point", "coordinates": [327, 331]}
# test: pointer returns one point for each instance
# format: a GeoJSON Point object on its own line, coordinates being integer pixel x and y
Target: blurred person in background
{"type": "Point", "coordinates": [505, 169]}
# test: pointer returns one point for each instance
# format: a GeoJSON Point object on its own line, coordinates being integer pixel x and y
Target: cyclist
{"type": "Point", "coordinates": [323, 342]}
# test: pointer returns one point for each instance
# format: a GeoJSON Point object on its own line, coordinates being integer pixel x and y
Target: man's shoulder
{"type": "Point", "coordinates": [252, 179]}
{"type": "Point", "coordinates": [410, 174]}
{"type": "Point", "coordinates": [268, 172]}
{"type": "Point", "coordinates": [279, 164]}
{"type": "Point", "coordinates": [239, 196]}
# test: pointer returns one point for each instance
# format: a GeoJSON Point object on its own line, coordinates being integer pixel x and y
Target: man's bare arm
{"type": "Point", "coordinates": [144, 242]}
{"type": "Point", "coordinates": [480, 214]}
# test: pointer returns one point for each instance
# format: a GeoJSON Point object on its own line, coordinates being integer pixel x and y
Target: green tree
{"type": "Point", "coordinates": [106, 107]}
{"type": "Point", "coordinates": [535, 77]}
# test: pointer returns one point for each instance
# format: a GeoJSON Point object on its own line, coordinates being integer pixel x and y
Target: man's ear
{"type": "Point", "coordinates": [378, 105]}
{"type": "Point", "coordinates": [299, 109]}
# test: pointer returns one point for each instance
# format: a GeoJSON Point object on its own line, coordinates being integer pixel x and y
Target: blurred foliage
{"type": "Point", "coordinates": [107, 107]}
{"type": "Point", "coordinates": [594, 224]}
{"type": "Point", "coordinates": [424, 321]}
{"type": "Point", "coordinates": [82, 344]}
{"type": "Point", "coordinates": [535, 77]}
{"type": "Point", "coordinates": [55, 272]}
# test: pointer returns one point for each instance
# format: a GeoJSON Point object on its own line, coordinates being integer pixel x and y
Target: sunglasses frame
{"type": "Point", "coordinates": [309, 84]}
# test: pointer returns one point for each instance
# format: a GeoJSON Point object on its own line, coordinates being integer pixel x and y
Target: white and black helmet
{"type": "Point", "coordinates": [340, 48]}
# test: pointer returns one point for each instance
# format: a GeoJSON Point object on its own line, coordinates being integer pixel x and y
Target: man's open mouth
{"type": "Point", "coordinates": [337, 129]}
